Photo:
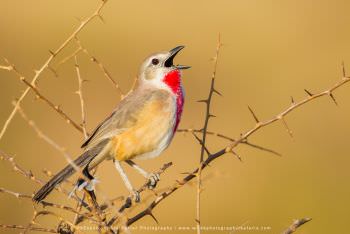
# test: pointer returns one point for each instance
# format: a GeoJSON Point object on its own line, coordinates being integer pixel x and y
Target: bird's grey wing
{"type": "Point", "coordinates": [94, 134]}
{"type": "Point", "coordinates": [123, 117]}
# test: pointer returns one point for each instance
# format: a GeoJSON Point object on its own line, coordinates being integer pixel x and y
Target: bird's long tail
{"type": "Point", "coordinates": [66, 172]}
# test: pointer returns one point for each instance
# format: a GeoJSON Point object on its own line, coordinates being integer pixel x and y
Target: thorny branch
{"type": "Point", "coordinates": [16, 194]}
{"type": "Point", "coordinates": [47, 139]}
{"type": "Point", "coordinates": [104, 70]}
{"type": "Point", "coordinates": [294, 105]}
{"type": "Point", "coordinates": [82, 102]}
{"type": "Point", "coordinates": [53, 54]}
{"type": "Point", "coordinates": [29, 174]}
{"type": "Point", "coordinates": [56, 108]}
{"type": "Point", "coordinates": [208, 115]}
{"type": "Point", "coordinates": [67, 58]}
{"type": "Point", "coordinates": [245, 142]}
{"type": "Point", "coordinates": [17, 168]}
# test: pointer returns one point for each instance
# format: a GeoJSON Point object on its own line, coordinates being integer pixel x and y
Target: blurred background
{"type": "Point", "coordinates": [272, 50]}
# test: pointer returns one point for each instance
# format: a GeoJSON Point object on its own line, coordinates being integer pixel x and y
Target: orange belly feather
{"type": "Point", "coordinates": [153, 123]}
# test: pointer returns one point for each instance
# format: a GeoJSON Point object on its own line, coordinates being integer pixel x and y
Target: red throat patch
{"type": "Point", "coordinates": [173, 80]}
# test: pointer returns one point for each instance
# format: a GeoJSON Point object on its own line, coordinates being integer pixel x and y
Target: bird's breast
{"type": "Point", "coordinates": [152, 131]}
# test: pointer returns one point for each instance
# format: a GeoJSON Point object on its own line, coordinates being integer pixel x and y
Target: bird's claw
{"type": "Point", "coordinates": [89, 185]}
{"type": "Point", "coordinates": [153, 180]}
{"type": "Point", "coordinates": [83, 184]}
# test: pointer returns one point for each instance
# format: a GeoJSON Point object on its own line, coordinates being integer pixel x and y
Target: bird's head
{"type": "Point", "coordinates": [159, 70]}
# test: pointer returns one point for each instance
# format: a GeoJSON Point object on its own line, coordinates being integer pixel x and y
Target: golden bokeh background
{"type": "Point", "coordinates": [272, 50]}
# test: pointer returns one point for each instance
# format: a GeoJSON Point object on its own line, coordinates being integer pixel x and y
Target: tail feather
{"type": "Point", "coordinates": [66, 172]}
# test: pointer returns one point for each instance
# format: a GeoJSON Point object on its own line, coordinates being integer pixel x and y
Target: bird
{"type": "Point", "coordinates": [141, 126]}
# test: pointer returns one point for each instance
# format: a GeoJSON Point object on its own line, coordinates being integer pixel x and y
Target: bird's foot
{"type": "Point", "coordinates": [88, 185]}
{"type": "Point", "coordinates": [153, 179]}
{"type": "Point", "coordinates": [83, 184]}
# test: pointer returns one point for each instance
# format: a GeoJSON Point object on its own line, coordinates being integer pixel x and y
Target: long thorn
{"type": "Point", "coordinates": [254, 116]}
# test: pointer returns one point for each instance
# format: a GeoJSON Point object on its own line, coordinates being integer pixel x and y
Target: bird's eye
{"type": "Point", "coordinates": [155, 61]}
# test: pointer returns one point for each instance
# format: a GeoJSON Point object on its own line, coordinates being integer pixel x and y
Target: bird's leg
{"type": "Point", "coordinates": [153, 178]}
{"type": "Point", "coordinates": [126, 181]}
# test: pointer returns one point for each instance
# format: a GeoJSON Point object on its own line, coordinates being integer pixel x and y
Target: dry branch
{"type": "Point", "coordinates": [47, 139]}
{"type": "Point", "coordinates": [53, 54]}
{"type": "Point", "coordinates": [19, 227]}
{"type": "Point", "coordinates": [29, 174]}
{"type": "Point", "coordinates": [83, 117]}
{"type": "Point", "coordinates": [56, 108]}
{"type": "Point", "coordinates": [8, 68]}
{"type": "Point", "coordinates": [285, 112]}
{"type": "Point", "coordinates": [295, 225]}
{"type": "Point", "coordinates": [104, 70]}
{"type": "Point", "coordinates": [16, 194]}
{"type": "Point", "coordinates": [208, 115]}
{"type": "Point", "coordinates": [26, 173]}
{"type": "Point", "coordinates": [82, 102]}
{"type": "Point", "coordinates": [220, 135]}
{"type": "Point", "coordinates": [68, 57]}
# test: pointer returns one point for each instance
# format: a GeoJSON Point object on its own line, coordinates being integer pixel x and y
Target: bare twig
{"type": "Point", "coordinates": [16, 194]}
{"type": "Point", "coordinates": [38, 229]}
{"type": "Point", "coordinates": [67, 58]}
{"type": "Point", "coordinates": [133, 86]}
{"type": "Point", "coordinates": [29, 175]}
{"type": "Point", "coordinates": [66, 208]}
{"type": "Point", "coordinates": [102, 68]}
{"type": "Point", "coordinates": [190, 130]}
{"type": "Point", "coordinates": [208, 115]}
{"type": "Point", "coordinates": [40, 96]}
{"type": "Point", "coordinates": [82, 102]}
{"type": "Point", "coordinates": [32, 221]}
{"type": "Point", "coordinates": [6, 67]}
{"type": "Point", "coordinates": [285, 112]}
{"type": "Point", "coordinates": [51, 213]}
{"type": "Point", "coordinates": [47, 139]}
{"type": "Point", "coordinates": [295, 225]}
{"type": "Point", "coordinates": [201, 143]}
{"type": "Point", "coordinates": [47, 63]}
{"type": "Point", "coordinates": [56, 108]}
{"type": "Point", "coordinates": [44, 203]}
{"type": "Point", "coordinates": [83, 115]}
{"type": "Point", "coordinates": [26, 173]}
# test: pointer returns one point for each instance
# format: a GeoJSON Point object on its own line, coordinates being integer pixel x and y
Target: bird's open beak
{"type": "Point", "coordinates": [170, 61]}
